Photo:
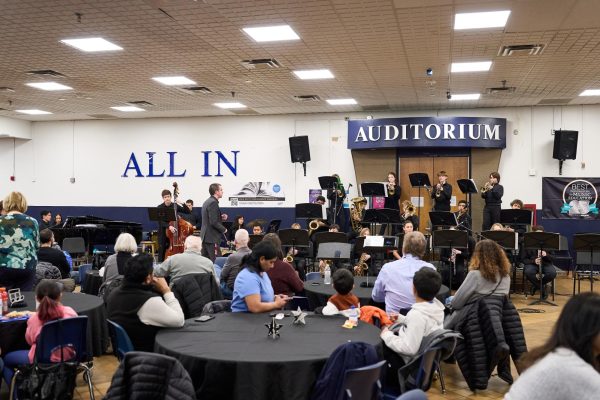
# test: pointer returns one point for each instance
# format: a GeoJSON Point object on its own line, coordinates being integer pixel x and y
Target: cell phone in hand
{"type": "Point", "coordinates": [204, 318]}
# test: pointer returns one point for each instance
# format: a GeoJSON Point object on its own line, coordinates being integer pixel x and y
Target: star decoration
{"type": "Point", "coordinates": [299, 316]}
{"type": "Point", "coordinates": [274, 328]}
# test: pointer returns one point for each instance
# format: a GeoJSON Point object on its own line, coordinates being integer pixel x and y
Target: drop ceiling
{"type": "Point", "coordinates": [378, 51]}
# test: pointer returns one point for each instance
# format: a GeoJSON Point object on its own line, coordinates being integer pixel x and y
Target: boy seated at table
{"type": "Point", "coordinates": [403, 338]}
{"type": "Point", "coordinates": [343, 300]}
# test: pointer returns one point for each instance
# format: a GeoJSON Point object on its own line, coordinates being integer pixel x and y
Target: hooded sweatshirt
{"type": "Point", "coordinates": [423, 319]}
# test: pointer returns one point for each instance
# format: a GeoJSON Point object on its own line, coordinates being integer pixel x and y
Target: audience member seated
{"type": "Point", "coordinates": [19, 245]}
{"type": "Point", "coordinates": [533, 261]}
{"type": "Point", "coordinates": [488, 275]}
{"type": "Point", "coordinates": [45, 220]}
{"type": "Point", "coordinates": [344, 299]}
{"type": "Point", "coordinates": [233, 264]}
{"type": "Point", "coordinates": [567, 366]}
{"type": "Point", "coordinates": [394, 284]}
{"type": "Point", "coordinates": [252, 291]}
{"type": "Point", "coordinates": [51, 255]}
{"type": "Point", "coordinates": [48, 294]}
{"type": "Point", "coordinates": [188, 262]}
{"type": "Point", "coordinates": [125, 248]}
{"type": "Point", "coordinates": [137, 304]}
{"type": "Point", "coordinates": [403, 339]}
{"type": "Point", "coordinates": [284, 278]}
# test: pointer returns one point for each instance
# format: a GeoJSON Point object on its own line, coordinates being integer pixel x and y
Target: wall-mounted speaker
{"type": "Point", "coordinates": [565, 145]}
{"type": "Point", "coordinates": [299, 150]}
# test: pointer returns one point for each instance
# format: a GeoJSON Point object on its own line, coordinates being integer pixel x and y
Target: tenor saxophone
{"type": "Point", "coordinates": [361, 267]}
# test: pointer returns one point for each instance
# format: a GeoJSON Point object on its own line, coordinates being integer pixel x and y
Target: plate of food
{"type": "Point", "coordinates": [15, 315]}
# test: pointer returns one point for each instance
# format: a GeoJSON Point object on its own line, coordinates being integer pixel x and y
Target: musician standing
{"type": "Point", "coordinates": [442, 193]}
{"type": "Point", "coordinates": [163, 240]}
{"type": "Point", "coordinates": [212, 229]}
{"type": "Point", "coordinates": [492, 193]}
{"type": "Point", "coordinates": [392, 200]}
{"type": "Point", "coordinates": [336, 204]}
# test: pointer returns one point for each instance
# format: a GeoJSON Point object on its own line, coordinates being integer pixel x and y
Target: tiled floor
{"type": "Point", "coordinates": [537, 329]}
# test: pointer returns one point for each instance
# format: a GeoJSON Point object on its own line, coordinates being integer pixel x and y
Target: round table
{"type": "Point", "coordinates": [231, 356]}
{"type": "Point", "coordinates": [318, 293]}
{"type": "Point", "coordinates": [12, 333]}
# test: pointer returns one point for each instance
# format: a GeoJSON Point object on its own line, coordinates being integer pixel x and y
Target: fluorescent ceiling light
{"type": "Point", "coordinates": [92, 44]}
{"type": "Point", "coordinates": [590, 92]}
{"type": "Point", "coordinates": [272, 33]}
{"type": "Point", "coordinates": [471, 66]}
{"type": "Point", "coordinates": [314, 74]}
{"type": "Point", "coordinates": [471, 96]}
{"type": "Point", "coordinates": [341, 102]}
{"type": "Point", "coordinates": [479, 20]}
{"type": "Point", "coordinates": [128, 109]}
{"type": "Point", "coordinates": [229, 105]}
{"type": "Point", "coordinates": [33, 112]}
{"type": "Point", "coordinates": [49, 86]}
{"type": "Point", "coordinates": [174, 80]}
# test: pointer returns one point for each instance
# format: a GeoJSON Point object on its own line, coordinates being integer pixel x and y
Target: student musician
{"type": "Point", "coordinates": [392, 200]}
{"type": "Point", "coordinates": [462, 216]}
{"type": "Point", "coordinates": [409, 214]}
{"type": "Point", "coordinates": [492, 193]}
{"type": "Point", "coordinates": [163, 240]}
{"type": "Point", "coordinates": [336, 204]}
{"type": "Point", "coordinates": [442, 193]}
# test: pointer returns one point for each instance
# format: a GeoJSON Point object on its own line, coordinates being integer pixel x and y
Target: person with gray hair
{"type": "Point", "coordinates": [191, 261]}
{"type": "Point", "coordinates": [233, 265]}
{"type": "Point", "coordinates": [125, 248]}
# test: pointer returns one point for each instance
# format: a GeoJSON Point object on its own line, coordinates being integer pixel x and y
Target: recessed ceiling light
{"type": "Point", "coordinates": [128, 109]}
{"type": "Point", "coordinates": [174, 80]}
{"type": "Point", "coordinates": [590, 92]}
{"type": "Point", "coordinates": [33, 112]}
{"type": "Point", "coordinates": [341, 102]}
{"type": "Point", "coordinates": [314, 74]}
{"type": "Point", "coordinates": [276, 33]}
{"type": "Point", "coordinates": [229, 105]}
{"type": "Point", "coordinates": [470, 96]}
{"type": "Point", "coordinates": [471, 66]}
{"type": "Point", "coordinates": [479, 20]}
{"type": "Point", "coordinates": [92, 44]}
{"type": "Point", "coordinates": [49, 86]}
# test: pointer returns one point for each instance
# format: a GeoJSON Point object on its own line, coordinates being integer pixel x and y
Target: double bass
{"type": "Point", "coordinates": [183, 229]}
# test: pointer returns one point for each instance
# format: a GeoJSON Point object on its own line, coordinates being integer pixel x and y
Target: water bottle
{"type": "Point", "coordinates": [4, 295]}
{"type": "Point", "coordinates": [353, 317]}
{"type": "Point", "coordinates": [327, 279]}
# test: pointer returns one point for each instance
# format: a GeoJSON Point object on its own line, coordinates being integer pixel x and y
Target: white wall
{"type": "Point", "coordinates": [102, 148]}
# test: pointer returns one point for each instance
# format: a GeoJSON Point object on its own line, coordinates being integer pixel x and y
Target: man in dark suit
{"type": "Point", "coordinates": [212, 229]}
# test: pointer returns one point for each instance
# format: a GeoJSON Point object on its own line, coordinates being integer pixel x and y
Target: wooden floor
{"type": "Point", "coordinates": [537, 329]}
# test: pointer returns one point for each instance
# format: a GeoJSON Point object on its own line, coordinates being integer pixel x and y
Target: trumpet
{"type": "Point", "coordinates": [485, 188]}
{"type": "Point", "coordinates": [289, 259]}
{"type": "Point", "coordinates": [391, 189]}
{"type": "Point", "coordinates": [438, 190]}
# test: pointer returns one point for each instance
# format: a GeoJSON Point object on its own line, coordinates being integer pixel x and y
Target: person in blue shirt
{"type": "Point", "coordinates": [252, 290]}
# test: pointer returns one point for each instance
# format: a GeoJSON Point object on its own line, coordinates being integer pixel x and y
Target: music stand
{"type": "Point", "coordinates": [467, 187]}
{"type": "Point", "coordinates": [254, 239]}
{"type": "Point", "coordinates": [442, 218]}
{"type": "Point", "coordinates": [274, 226]}
{"type": "Point", "coordinates": [374, 245]}
{"type": "Point", "coordinates": [330, 183]}
{"type": "Point", "coordinates": [373, 189]}
{"type": "Point", "coordinates": [161, 214]}
{"type": "Point", "coordinates": [542, 241]}
{"type": "Point", "coordinates": [450, 239]}
{"type": "Point", "coordinates": [294, 238]}
{"type": "Point", "coordinates": [514, 216]}
{"type": "Point", "coordinates": [587, 242]}
{"type": "Point", "coordinates": [419, 180]}
{"type": "Point", "coordinates": [334, 251]}
{"type": "Point", "coordinates": [309, 211]}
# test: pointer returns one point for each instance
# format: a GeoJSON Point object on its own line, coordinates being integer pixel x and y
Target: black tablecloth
{"type": "Point", "coordinates": [318, 293]}
{"type": "Point", "coordinates": [92, 283]}
{"type": "Point", "coordinates": [231, 356]}
{"type": "Point", "coordinates": [12, 334]}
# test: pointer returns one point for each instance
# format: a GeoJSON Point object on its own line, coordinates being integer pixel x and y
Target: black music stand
{"type": "Point", "coordinates": [515, 217]}
{"type": "Point", "coordinates": [442, 218]}
{"type": "Point", "coordinates": [419, 180]}
{"type": "Point", "coordinates": [161, 214]}
{"type": "Point", "coordinates": [294, 238]}
{"type": "Point", "coordinates": [507, 240]}
{"type": "Point", "coordinates": [381, 216]}
{"type": "Point", "coordinates": [331, 183]}
{"type": "Point", "coordinates": [309, 211]}
{"type": "Point", "coordinates": [467, 187]}
{"type": "Point", "coordinates": [541, 241]}
{"type": "Point", "coordinates": [372, 189]}
{"type": "Point", "coordinates": [450, 239]}
{"type": "Point", "coordinates": [254, 239]}
{"type": "Point", "coordinates": [587, 242]}
{"type": "Point", "coordinates": [382, 245]}
{"type": "Point", "coordinates": [274, 226]}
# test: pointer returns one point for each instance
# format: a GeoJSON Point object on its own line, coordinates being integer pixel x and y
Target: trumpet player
{"type": "Point", "coordinates": [442, 193]}
{"type": "Point", "coordinates": [408, 214]}
{"type": "Point", "coordinates": [492, 193]}
{"type": "Point", "coordinates": [392, 200]}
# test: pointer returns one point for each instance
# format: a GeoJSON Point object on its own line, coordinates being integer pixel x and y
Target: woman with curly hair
{"type": "Point", "coordinates": [489, 274]}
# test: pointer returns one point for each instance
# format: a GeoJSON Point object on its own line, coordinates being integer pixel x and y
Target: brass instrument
{"type": "Point", "coordinates": [314, 225]}
{"type": "Point", "coordinates": [438, 189]}
{"type": "Point", "coordinates": [324, 264]}
{"type": "Point", "coordinates": [487, 187]}
{"type": "Point", "coordinates": [361, 267]}
{"type": "Point", "coordinates": [391, 189]}
{"type": "Point", "coordinates": [357, 207]}
{"type": "Point", "coordinates": [289, 259]}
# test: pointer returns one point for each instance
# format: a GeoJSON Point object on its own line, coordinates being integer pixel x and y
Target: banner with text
{"type": "Point", "coordinates": [258, 194]}
{"type": "Point", "coordinates": [427, 132]}
{"type": "Point", "coordinates": [570, 198]}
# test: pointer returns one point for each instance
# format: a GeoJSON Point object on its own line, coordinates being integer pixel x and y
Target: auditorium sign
{"type": "Point", "coordinates": [427, 132]}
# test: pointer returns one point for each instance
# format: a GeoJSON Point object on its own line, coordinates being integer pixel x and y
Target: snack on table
{"type": "Point", "coordinates": [18, 314]}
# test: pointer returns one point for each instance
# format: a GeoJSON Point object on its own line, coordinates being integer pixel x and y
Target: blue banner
{"type": "Point", "coordinates": [427, 132]}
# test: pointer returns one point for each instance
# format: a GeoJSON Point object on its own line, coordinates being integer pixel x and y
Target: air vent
{"type": "Point", "coordinates": [140, 103]}
{"type": "Point", "coordinates": [309, 98]}
{"type": "Point", "coordinates": [195, 90]}
{"type": "Point", "coordinates": [46, 72]}
{"type": "Point", "coordinates": [5, 89]}
{"type": "Point", "coordinates": [547, 102]}
{"type": "Point", "coordinates": [243, 111]}
{"type": "Point", "coordinates": [102, 116]}
{"type": "Point", "coordinates": [501, 89]}
{"type": "Point", "coordinates": [261, 63]}
{"type": "Point", "coordinates": [521, 50]}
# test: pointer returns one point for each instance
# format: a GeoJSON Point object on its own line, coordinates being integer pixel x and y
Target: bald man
{"type": "Point", "coordinates": [188, 262]}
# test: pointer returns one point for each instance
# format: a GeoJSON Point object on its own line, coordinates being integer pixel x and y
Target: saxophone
{"type": "Point", "coordinates": [361, 267]}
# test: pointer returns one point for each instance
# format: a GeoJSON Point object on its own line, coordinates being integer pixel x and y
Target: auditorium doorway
{"type": "Point", "coordinates": [457, 167]}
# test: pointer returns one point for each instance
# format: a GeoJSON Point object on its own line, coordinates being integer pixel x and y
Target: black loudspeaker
{"type": "Point", "coordinates": [299, 150]}
{"type": "Point", "coordinates": [565, 145]}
